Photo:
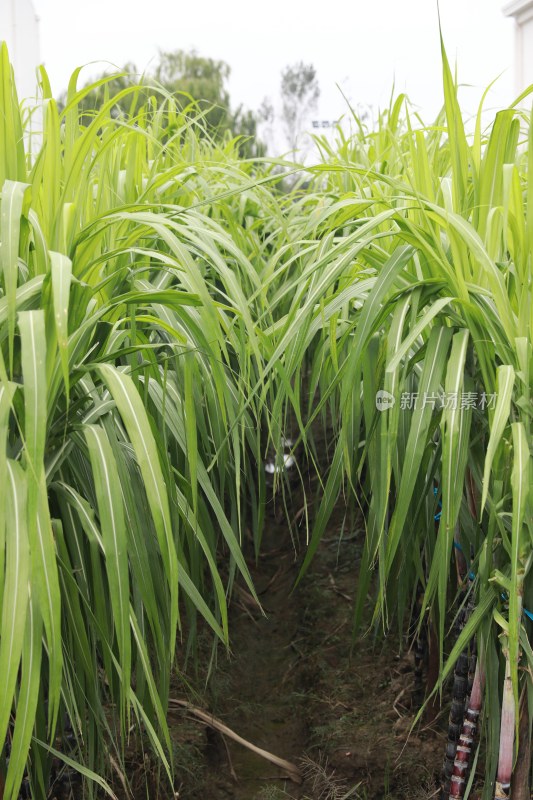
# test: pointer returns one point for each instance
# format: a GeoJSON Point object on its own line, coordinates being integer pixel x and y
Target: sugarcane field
{"type": "Point", "coordinates": [266, 420]}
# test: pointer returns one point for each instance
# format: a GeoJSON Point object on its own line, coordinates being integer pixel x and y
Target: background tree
{"type": "Point", "coordinates": [188, 76]}
{"type": "Point", "coordinates": [299, 96]}
{"type": "Point", "coordinates": [203, 79]}
{"type": "Point", "coordinates": [244, 125]}
{"type": "Point", "coordinates": [266, 118]}
{"type": "Point", "coordinates": [105, 86]}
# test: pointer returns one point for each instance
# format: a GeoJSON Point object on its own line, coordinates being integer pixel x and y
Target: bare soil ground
{"type": "Point", "coordinates": [298, 685]}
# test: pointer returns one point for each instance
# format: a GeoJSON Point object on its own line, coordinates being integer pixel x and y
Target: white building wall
{"type": "Point", "coordinates": [19, 27]}
{"type": "Point", "coordinates": [522, 11]}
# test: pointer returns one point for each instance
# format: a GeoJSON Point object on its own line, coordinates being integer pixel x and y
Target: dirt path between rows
{"type": "Point", "coordinates": [295, 686]}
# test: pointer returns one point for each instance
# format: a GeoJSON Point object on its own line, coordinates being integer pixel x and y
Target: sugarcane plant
{"type": "Point", "coordinates": [433, 372]}
{"type": "Point", "coordinates": [120, 328]}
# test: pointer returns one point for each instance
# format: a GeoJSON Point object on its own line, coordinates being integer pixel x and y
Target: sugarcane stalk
{"type": "Point", "coordinates": [467, 680]}
{"type": "Point", "coordinates": [420, 653]}
{"type": "Point", "coordinates": [520, 781]}
{"type": "Point", "coordinates": [461, 764]}
{"type": "Point", "coordinates": [456, 718]}
{"type": "Point", "coordinates": [502, 790]}
{"type": "Point", "coordinates": [460, 675]}
{"type": "Point", "coordinates": [455, 721]}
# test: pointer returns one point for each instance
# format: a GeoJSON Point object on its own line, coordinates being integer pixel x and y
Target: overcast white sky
{"type": "Point", "coordinates": [363, 46]}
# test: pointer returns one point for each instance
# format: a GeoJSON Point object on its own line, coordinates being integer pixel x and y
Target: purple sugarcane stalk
{"type": "Point", "coordinates": [463, 682]}
{"type": "Point", "coordinates": [468, 679]}
{"type": "Point", "coordinates": [461, 765]}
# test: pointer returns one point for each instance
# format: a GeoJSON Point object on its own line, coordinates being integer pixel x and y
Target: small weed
{"type": "Point", "coordinates": [323, 782]}
{"type": "Point", "coordinates": [272, 792]}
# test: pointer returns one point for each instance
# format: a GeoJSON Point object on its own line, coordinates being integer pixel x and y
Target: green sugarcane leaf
{"type": "Point", "coordinates": [189, 515]}
{"type": "Point", "coordinates": [421, 326]}
{"type": "Point", "coordinates": [455, 427]}
{"type": "Point", "coordinates": [40, 260]}
{"type": "Point", "coordinates": [85, 512]}
{"type": "Point", "coordinates": [430, 382]}
{"type": "Point", "coordinates": [33, 357]}
{"type": "Point", "coordinates": [190, 425]}
{"type": "Point", "coordinates": [45, 581]}
{"type": "Point", "coordinates": [152, 734]}
{"type": "Point", "coordinates": [458, 144]}
{"type": "Point", "coordinates": [147, 578]}
{"type": "Point", "coordinates": [44, 575]}
{"type": "Point", "coordinates": [114, 538]}
{"type": "Point", "coordinates": [174, 420]}
{"type": "Point", "coordinates": [505, 383]}
{"type": "Point", "coordinates": [470, 239]}
{"type": "Point", "coordinates": [26, 703]}
{"type": "Point", "coordinates": [14, 202]}
{"type": "Point", "coordinates": [61, 272]}
{"type": "Point", "coordinates": [331, 493]}
{"type": "Point", "coordinates": [12, 156]}
{"type": "Point", "coordinates": [136, 421]}
{"type": "Point", "coordinates": [497, 154]}
{"type": "Point", "coordinates": [482, 610]}
{"type": "Point", "coordinates": [190, 588]}
{"type": "Point", "coordinates": [152, 688]}
{"type": "Point", "coordinates": [52, 173]}
{"type": "Point", "coordinates": [77, 766]}
{"type": "Point", "coordinates": [15, 600]}
{"type": "Point", "coordinates": [521, 547]}
{"type": "Point", "coordinates": [79, 643]}
{"type": "Point", "coordinates": [382, 286]}
{"type": "Point", "coordinates": [25, 296]}
{"type": "Point", "coordinates": [7, 391]}
{"type": "Point", "coordinates": [170, 299]}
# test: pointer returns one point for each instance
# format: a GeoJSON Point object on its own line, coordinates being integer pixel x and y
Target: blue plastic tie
{"type": "Point", "coordinates": [439, 505]}
{"type": "Point", "coordinates": [472, 575]}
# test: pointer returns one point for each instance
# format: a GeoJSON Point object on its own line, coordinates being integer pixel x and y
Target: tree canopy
{"type": "Point", "coordinates": [299, 95]}
{"type": "Point", "coordinates": [198, 85]}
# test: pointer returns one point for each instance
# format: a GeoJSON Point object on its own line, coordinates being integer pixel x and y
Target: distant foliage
{"type": "Point", "coordinates": [299, 96]}
{"type": "Point", "coordinates": [198, 85]}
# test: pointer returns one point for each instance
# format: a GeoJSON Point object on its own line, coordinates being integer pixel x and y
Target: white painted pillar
{"type": "Point", "coordinates": [19, 27]}
{"type": "Point", "coordinates": [522, 11]}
